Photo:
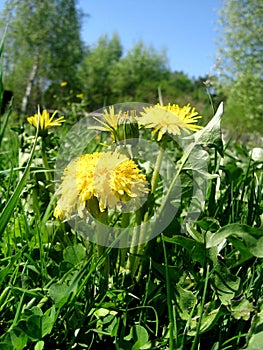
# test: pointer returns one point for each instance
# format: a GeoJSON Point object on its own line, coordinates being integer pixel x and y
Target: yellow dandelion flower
{"type": "Point", "coordinates": [46, 121]}
{"type": "Point", "coordinates": [110, 177]}
{"type": "Point", "coordinates": [63, 83]}
{"type": "Point", "coordinates": [122, 125]}
{"type": "Point", "coordinates": [108, 121]}
{"type": "Point", "coordinates": [80, 96]}
{"type": "Point", "coordinates": [170, 119]}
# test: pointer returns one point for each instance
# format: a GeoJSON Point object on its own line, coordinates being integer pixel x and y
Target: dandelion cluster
{"type": "Point", "coordinates": [111, 178]}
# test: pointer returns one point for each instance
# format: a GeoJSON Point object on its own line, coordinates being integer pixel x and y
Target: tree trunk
{"type": "Point", "coordinates": [29, 86]}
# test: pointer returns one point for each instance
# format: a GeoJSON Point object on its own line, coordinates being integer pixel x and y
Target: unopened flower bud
{"type": "Point", "coordinates": [127, 129]}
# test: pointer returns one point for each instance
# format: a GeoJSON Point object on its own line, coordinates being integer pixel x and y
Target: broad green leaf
{"type": "Point", "coordinates": [198, 162]}
{"type": "Point", "coordinates": [256, 338]}
{"type": "Point", "coordinates": [74, 254]}
{"type": "Point", "coordinates": [255, 342]}
{"type": "Point", "coordinates": [186, 301]}
{"type": "Point", "coordinates": [196, 249]}
{"type": "Point", "coordinates": [18, 340]}
{"type": "Point", "coordinates": [210, 316]}
{"type": "Point", "coordinates": [225, 284]}
{"type": "Point", "coordinates": [174, 274]}
{"type": "Point", "coordinates": [59, 293]}
{"type": "Point", "coordinates": [251, 237]}
{"type": "Point", "coordinates": [208, 224]}
{"type": "Point", "coordinates": [139, 335]}
{"type": "Point", "coordinates": [38, 326]}
{"type": "Point", "coordinates": [113, 326]}
{"type": "Point", "coordinates": [51, 313]}
{"type": "Point", "coordinates": [241, 309]}
{"type": "Point", "coordinates": [39, 345]}
{"type": "Point", "coordinates": [211, 135]}
{"type": "Point", "coordinates": [102, 312]}
{"type": "Point", "coordinates": [244, 253]}
{"type": "Point", "coordinates": [36, 311]}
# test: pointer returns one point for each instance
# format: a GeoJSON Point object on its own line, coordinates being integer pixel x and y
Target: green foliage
{"type": "Point", "coordinates": [201, 288]}
{"type": "Point", "coordinates": [43, 46]}
{"type": "Point", "coordinates": [138, 75]}
{"type": "Point", "coordinates": [197, 288]}
{"type": "Point", "coordinates": [239, 64]}
{"type": "Point", "coordinates": [107, 77]}
{"type": "Point", "coordinates": [96, 68]}
{"type": "Point", "coordinates": [52, 53]}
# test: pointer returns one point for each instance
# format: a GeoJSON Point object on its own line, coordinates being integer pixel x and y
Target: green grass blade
{"type": "Point", "coordinates": [171, 316]}
{"type": "Point", "coordinates": [5, 122]}
{"type": "Point", "coordinates": [11, 204]}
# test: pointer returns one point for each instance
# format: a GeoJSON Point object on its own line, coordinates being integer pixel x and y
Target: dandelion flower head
{"type": "Point", "coordinates": [110, 177]}
{"type": "Point", "coordinates": [171, 119]}
{"type": "Point", "coordinates": [46, 121]}
{"type": "Point", "coordinates": [108, 120]}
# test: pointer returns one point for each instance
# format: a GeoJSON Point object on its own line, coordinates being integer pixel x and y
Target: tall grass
{"type": "Point", "coordinates": [201, 289]}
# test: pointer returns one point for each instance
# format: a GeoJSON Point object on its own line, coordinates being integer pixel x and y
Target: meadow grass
{"type": "Point", "coordinates": [197, 289]}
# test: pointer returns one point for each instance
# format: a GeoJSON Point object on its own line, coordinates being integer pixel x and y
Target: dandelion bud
{"type": "Point", "coordinates": [127, 129]}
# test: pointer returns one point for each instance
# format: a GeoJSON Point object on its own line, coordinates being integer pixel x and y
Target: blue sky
{"type": "Point", "coordinates": [185, 29]}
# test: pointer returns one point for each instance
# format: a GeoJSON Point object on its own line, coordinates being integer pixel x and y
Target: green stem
{"type": "Point", "coordinates": [196, 338]}
{"type": "Point", "coordinates": [46, 165]}
{"type": "Point", "coordinates": [157, 167]}
{"type": "Point", "coordinates": [101, 227]}
{"type": "Point", "coordinates": [105, 271]}
{"type": "Point", "coordinates": [172, 324]}
{"type": "Point", "coordinates": [134, 247]}
{"type": "Point", "coordinates": [125, 220]}
{"type": "Point", "coordinates": [183, 161]}
{"type": "Point", "coordinates": [140, 249]}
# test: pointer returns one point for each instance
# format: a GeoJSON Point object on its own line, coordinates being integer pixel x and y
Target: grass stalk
{"type": "Point", "coordinates": [171, 316]}
{"type": "Point", "coordinates": [11, 204]}
{"type": "Point", "coordinates": [197, 335]}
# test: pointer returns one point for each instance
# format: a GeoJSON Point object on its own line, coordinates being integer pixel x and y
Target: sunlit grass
{"type": "Point", "coordinates": [195, 289]}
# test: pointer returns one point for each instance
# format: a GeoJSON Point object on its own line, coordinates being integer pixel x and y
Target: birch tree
{"type": "Point", "coordinates": [42, 46]}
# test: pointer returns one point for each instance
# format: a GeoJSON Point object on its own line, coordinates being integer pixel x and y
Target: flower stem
{"type": "Point", "coordinates": [46, 165]}
{"type": "Point", "coordinates": [182, 163]}
{"type": "Point", "coordinates": [172, 320]}
{"type": "Point", "coordinates": [101, 228]}
{"type": "Point", "coordinates": [138, 251]}
{"type": "Point", "coordinates": [105, 271]}
{"type": "Point", "coordinates": [132, 257]}
{"type": "Point", "coordinates": [157, 167]}
{"type": "Point", "coordinates": [125, 220]}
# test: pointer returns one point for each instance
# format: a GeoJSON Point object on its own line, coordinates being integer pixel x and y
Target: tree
{"type": "Point", "coordinates": [240, 61]}
{"type": "Point", "coordinates": [96, 68]}
{"type": "Point", "coordinates": [137, 75]}
{"type": "Point", "coordinates": [42, 47]}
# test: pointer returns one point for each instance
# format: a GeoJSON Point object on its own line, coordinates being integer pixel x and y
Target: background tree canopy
{"type": "Point", "coordinates": [43, 48]}
{"type": "Point", "coordinates": [240, 62]}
